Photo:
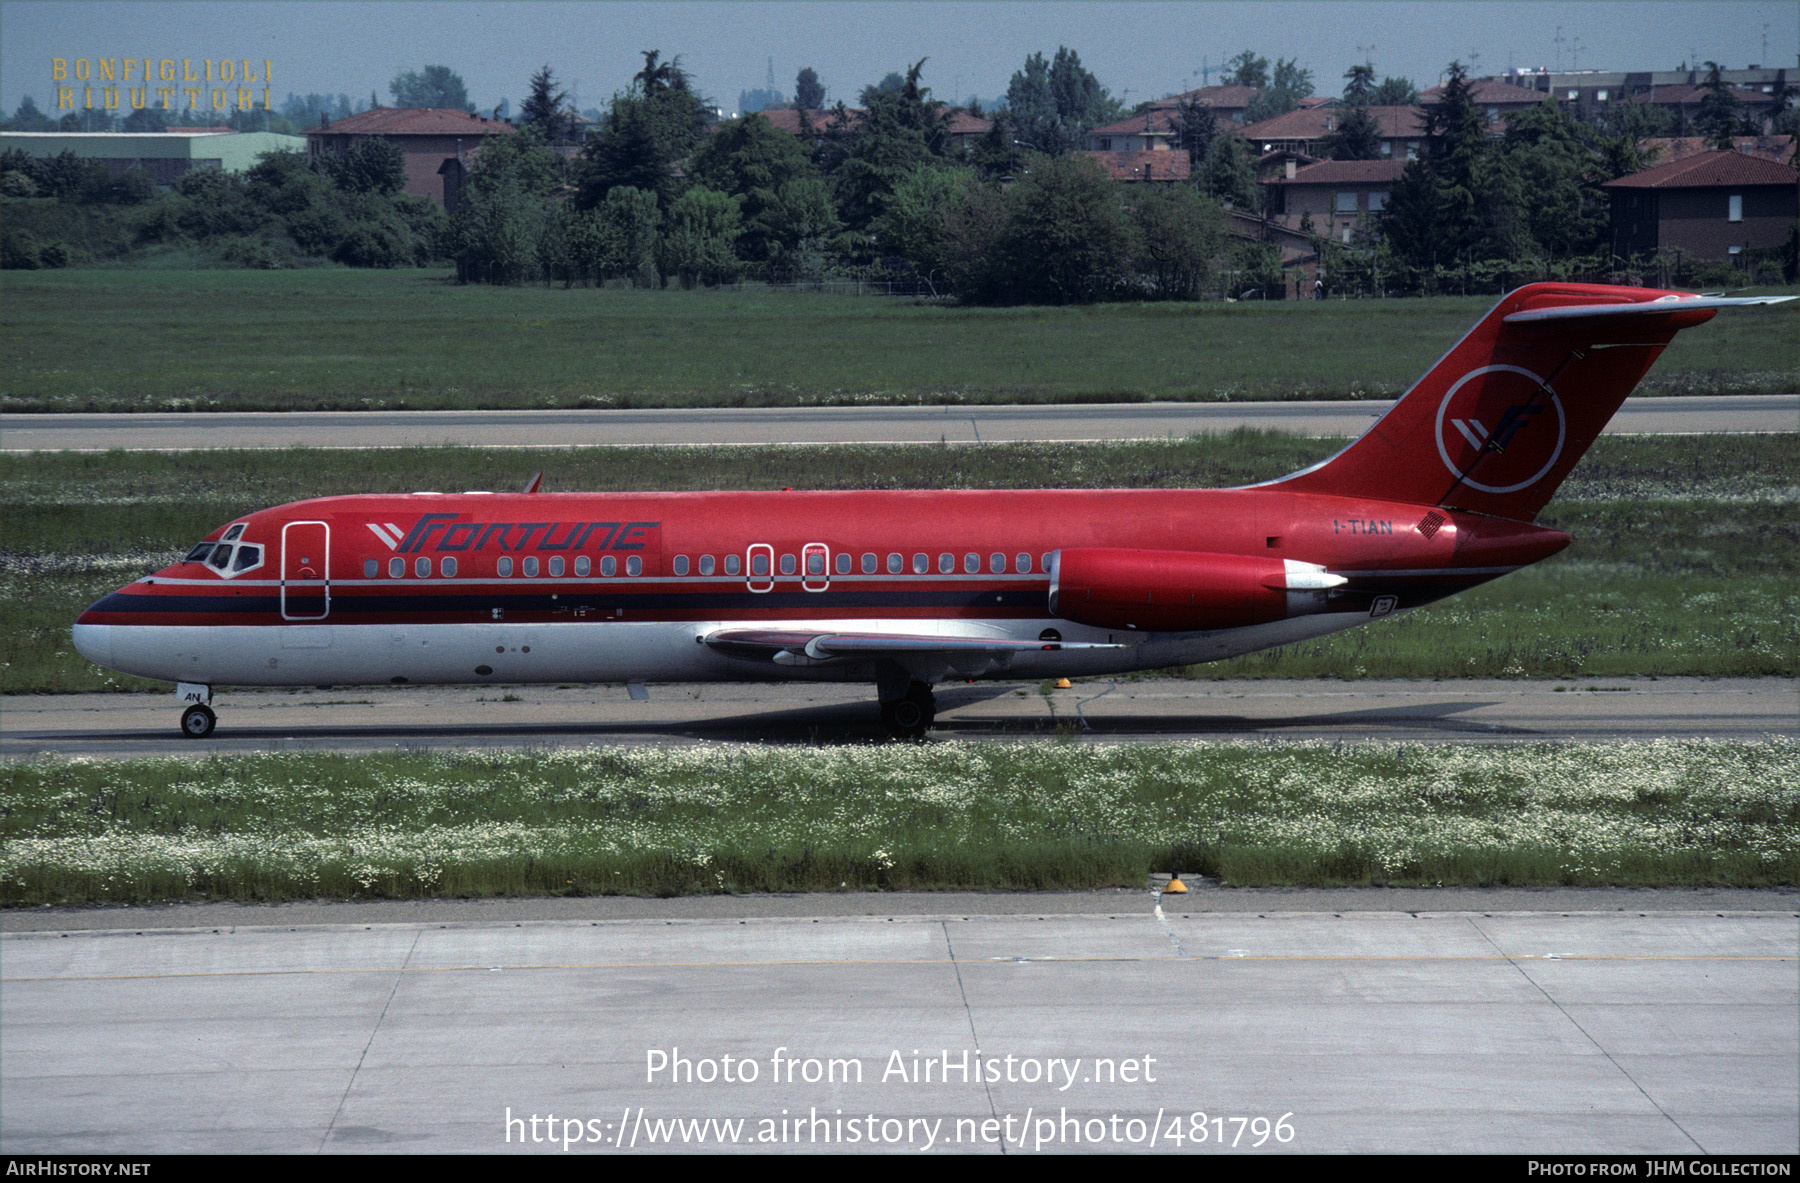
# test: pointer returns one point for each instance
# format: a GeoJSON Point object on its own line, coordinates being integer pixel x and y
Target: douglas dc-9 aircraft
{"type": "Point", "coordinates": [905, 589]}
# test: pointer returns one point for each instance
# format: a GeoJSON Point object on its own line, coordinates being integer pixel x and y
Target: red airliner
{"type": "Point", "coordinates": [905, 589]}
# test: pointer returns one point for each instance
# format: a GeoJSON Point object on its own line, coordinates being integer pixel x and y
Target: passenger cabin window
{"type": "Point", "coordinates": [504, 566]}
{"type": "Point", "coordinates": [449, 566]}
{"type": "Point", "coordinates": [759, 563]}
{"type": "Point", "coordinates": [869, 563]}
{"type": "Point", "coordinates": [787, 564]}
{"type": "Point", "coordinates": [921, 564]}
{"type": "Point", "coordinates": [971, 563]}
{"type": "Point", "coordinates": [371, 568]}
{"type": "Point", "coordinates": [842, 562]}
{"type": "Point", "coordinates": [634, 565]}
{"type": "Point", "coordinates": [1024, 563]}
{"type": "Point", "coordinates": [815, 563]}
{"type": "Point", "coordinates": [706, 564]}
{"type": "Point", "coordinates": [397, 567]}
{"type": "Point", "coordinates": [583, 564]}
{"type": "Point", "coordinates": [896, 564]}
{"type": "Point", "coordinates": [946, 562]}
{"type": "Point", "coordinates": [608, 565]}
{"type": "Point", "coordinates": [422, 567]}
{"type": "Point", "coordinates": [681, 564]}
{"type": "Point", "coordinates": [997, 563]}
{"type": "Point", "coordinates": [733, 564]}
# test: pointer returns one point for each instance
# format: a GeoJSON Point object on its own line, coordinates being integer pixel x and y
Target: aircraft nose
{"type": "Point", "coordinates": [95, 642]}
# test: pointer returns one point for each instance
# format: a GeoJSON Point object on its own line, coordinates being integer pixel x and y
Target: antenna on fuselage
{"type": "Point", "coordinates": [531, 486]}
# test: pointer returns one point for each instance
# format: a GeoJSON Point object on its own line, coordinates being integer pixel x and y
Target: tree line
{"type": "Point", "coordinates": [659, 191]}
{"type": "Point", "coordinates": [662, 193]}
{"type": "Point", "coordinates": [288, 210]}
{"type": "Point", "coordinates": [1479, 212]}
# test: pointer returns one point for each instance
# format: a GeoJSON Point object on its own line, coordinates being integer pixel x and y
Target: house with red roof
{"type": "Point", "coordinates": [1685, 100]}
{"type": "Point", "coordinates": [1712, 205]}
{"type": "Point", "coordinates": [1669, 149]}
{"type": "Point", "coordinates": [1498, 99]}
{"type": "Point", "coordinates": [1155, 165]}
{"type": "Point", "coordinates": [964, 129]}
{"type": "Point", "coordinates": [437, 143]}
{"type": "Point", "coordinates": [1337, 199]}
{"type": "Point", "coordinates": [822, 120]}
{"type": "Point", "coordinates": [1228, 103]}
{"type": "Point", "coordinates": [1305, 130]}
{"type": "Point", "coordinates": [1152, 130]}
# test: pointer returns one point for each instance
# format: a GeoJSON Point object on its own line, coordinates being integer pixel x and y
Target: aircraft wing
{"type": "Point", "coordinates": [799, 647]}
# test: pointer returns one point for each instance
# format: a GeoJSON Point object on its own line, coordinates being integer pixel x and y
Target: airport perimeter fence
{"type": "Point", "coordinates": [914, 287]}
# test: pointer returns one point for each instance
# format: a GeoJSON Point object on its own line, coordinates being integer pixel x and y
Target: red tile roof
{"type": "Point", "coordinates": [1669, 149]}
{"type": "Point", "coordinates": [823, 120]}
{"type": "Point", "coordinates": [1213, 96]}
{"type": "Point", "coordinates": [1143, 166]}
{"type": "Point", "coordinates": [1683, 94]}
{"type": "Point", "coordinates": [964, 124]}
{"type": "Point", "coordinates": [1310, 123]}
{"type": "Point", "coordinates": [1346, 172]}
{"type": "Point", "coordinates": [413, 121]}
{"type": "Point", "coordinates": [787, 119]}
{"type": "Point", "coordinates": [1160, 119]}
{"type": "Point", "coordinates": [1710, 170]}
{"type": "Point", "coordinates": [1490, 91]}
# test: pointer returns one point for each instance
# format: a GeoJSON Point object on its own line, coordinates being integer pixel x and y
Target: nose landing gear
{"type": "Point", "coordinates": [197, 719]}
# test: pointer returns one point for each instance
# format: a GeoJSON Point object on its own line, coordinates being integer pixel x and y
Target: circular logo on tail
{"type": "Point", "coordinates": [1503, 425]}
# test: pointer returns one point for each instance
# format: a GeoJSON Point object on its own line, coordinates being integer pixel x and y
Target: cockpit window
{"type": "Point", "coordinates": [229, 557]}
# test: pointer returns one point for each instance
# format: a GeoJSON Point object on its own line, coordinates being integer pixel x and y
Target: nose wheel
{"type": "Point", "coordinates": [197, 721]}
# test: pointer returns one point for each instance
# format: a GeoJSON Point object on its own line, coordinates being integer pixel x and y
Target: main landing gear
{"type": "Point", "coordinates": [909, 715]}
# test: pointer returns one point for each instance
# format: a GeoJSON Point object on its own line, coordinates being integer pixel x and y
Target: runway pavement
{"type": "Point", "coordinates": [802, 425]}
{"type": "Point", "coordinates": [361, 719]}
{"type": "Point", "coordinates": [1147, 1026]}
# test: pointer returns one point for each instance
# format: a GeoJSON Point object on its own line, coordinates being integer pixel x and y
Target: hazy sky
{"type": "Point", "coordinates": [1138, 50]}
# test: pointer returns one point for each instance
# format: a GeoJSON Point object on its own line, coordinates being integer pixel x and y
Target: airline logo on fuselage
{"type": "Point", "coordinates": [442, 532]}
{"type": "Point", "coordinates": [1500, 429]}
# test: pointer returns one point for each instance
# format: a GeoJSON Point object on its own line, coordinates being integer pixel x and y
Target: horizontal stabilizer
{"type": "Point", "coordinates": [1663, 304]}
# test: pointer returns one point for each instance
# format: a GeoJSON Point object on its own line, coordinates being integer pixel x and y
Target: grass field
{"type": "Point", "coordinates": [951, 816]}
{"type": "Point", "coordinates": [1685, 561]}
{"type": "Point", "coordinates": [137, 340]}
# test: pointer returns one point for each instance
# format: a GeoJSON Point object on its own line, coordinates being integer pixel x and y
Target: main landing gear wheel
{"type": "Point", "coordinates": [910, 717]}
{"type": "Point", "coordinates": [197, 722]}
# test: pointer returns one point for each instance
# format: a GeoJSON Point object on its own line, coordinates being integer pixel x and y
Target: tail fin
{"type": "Point", "coordinates": [1498, 423]}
